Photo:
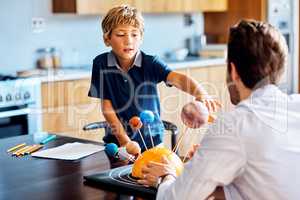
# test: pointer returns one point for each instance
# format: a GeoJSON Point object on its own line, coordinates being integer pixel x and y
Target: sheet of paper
{"type": "Point", "coordinates": [69, 151]}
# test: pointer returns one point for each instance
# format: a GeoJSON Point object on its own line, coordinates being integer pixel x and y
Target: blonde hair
{"type": "Point", "coordinates": [122, 15]}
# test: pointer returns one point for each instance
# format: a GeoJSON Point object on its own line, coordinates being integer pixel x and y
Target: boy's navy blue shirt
{"type": "Point", "coordinates": [131, 92]}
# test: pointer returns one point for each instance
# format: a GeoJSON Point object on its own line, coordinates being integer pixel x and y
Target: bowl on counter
{"type": "Point", "coordinates": [177, 54]}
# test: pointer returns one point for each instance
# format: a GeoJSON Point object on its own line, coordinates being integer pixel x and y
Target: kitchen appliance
{"type": "Point", "coordinates": [195, 43]}
{"type": "Point", "coordinates": [177, 54]}
{"type": "Point", "coordinates": [283, 14]}
{"type": "Point", "coordinates": [19, 106]}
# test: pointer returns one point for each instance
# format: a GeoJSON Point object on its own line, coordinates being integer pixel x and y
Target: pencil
{"type": "Point", "coordinates": [36, 148]}
{"type": "Point", "coordinates": [19, 150]}
{"type": "Point", "coordinates": [20, 153]}
{"type": "Point", "coordinates": [25, 152]}
{"type": "Point", "coordinates": [16, 147]}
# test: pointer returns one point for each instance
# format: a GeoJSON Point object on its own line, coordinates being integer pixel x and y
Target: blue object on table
{"type": "Point", "coordinates": [147, 116]}
{"type": "Point", "coordinates": [48, 139]}
{"type": "Point", "coordinates": [111, 149]}
{"type": "Point", "coordinates": [40, 136]}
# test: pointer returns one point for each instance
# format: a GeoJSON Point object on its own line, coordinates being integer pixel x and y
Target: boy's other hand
{"type": "Point", "coordinates": [133, 148]}
{"type": "Point", "coordinates": [211, 103]}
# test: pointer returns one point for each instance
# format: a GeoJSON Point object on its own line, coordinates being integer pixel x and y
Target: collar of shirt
{"type": "Point", "coordinates": [112, 60]}
{"type": "Point", "coordinates": [267, 92]}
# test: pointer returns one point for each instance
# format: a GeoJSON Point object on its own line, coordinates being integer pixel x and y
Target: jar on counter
{"type": "Point", "coordinates": [48, 58]}
{"type": "Point", "coordinates": [56, 58]}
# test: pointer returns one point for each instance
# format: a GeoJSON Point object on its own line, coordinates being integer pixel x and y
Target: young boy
{"type": "Point", "coordinates": [125, 79]}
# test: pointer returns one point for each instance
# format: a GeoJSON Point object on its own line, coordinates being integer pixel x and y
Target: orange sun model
{"type": "Point", "coordinates": [155, 155]}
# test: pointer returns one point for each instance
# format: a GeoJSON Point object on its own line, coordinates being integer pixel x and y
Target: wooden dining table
{"type": "Point", "coordinates": [42, 179]}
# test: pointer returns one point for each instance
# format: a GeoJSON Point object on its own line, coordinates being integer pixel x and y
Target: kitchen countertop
{"type": "Point", "coordinates": [72, 73]}
{"type": "Point", "coordinates": [200, 62]}
{"type": "Point", "coordinates": [66, 74]}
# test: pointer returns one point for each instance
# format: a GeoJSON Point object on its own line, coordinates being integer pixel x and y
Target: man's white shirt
{"type": "Point", "coordinates": [253, 151]}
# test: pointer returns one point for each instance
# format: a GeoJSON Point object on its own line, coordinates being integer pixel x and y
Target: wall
{"type": "Point", "coordinates": [78, 37]}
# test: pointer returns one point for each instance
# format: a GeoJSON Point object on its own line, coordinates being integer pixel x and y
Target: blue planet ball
{"type": "Point", "coordinates": [147, 116]}
{"type": "Point", "coordinates": [111, 149]}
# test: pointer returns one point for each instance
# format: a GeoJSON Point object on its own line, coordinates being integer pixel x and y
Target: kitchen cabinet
{"type": "Point", "coordinates": [66, 108]}
{"type": "Point", "coordinates": [216, 24]}
{"type": "Point", "coordinates": [98, 6]}
{"type": "Point", "coordinates": [86, 6]}
{"type": "Point", "coordinates": [157, 6]}
{"type": "Point", "coordinates": [183, 6]}
{"type": "Point", "coordinates": [204, 5]}
{"type": "Point", "coordinates": [146, 6]}
{"type": "Point", "coordinates": [213, 5]}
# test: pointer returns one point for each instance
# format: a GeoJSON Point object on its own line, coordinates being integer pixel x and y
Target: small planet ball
{"type": "Point", "coordinates": [194, 114]}
{"type": "Point", "coordinates": [111, 149]}
{"type": "Point", "coordinates": [133, 148]}
{"type": "Point", "coordinates": [155, 154]}
{"type": "Point", "coordinates": [135, 122]}
{"type": "Point", "coordinates": [147, 116]}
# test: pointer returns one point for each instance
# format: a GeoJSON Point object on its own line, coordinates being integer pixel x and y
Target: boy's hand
{"type": "Point", "coordinates": [211, 103]}
{"type": "Point", "coordinates": [133, 148]}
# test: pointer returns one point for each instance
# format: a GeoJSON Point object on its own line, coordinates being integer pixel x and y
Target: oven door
{"type": "Point", "coordinates": [14, 122]}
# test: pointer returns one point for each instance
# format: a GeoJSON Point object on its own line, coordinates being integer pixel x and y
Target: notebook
{"type": "Point", "coordinates": [69, 151]}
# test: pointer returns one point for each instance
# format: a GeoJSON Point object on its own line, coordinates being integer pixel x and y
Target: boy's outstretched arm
{"type": "Point", "coordinates": [193, 88]}
{"type": "Point", "coordinates": [114, 122]}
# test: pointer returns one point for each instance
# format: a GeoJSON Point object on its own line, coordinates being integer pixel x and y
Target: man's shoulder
{"type": "Point", "coordinates": [227, 121]}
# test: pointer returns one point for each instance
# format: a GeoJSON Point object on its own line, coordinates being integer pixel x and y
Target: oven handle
{"type": "Point", "coordinates": [13, 113]}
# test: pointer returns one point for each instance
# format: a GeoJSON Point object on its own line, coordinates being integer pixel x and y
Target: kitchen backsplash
{"type": "Point", "coordinates": [79, 38]}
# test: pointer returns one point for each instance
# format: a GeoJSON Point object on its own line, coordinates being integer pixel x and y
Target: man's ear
{"type": "Point", "coordinates": [106, 40]}
{"type": "Point", "coordinates": [233, 74]}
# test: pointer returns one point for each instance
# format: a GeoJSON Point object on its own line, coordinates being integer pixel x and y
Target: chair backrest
{"type": "Point", "coordinates": [169, 126]}
{"type": "Point", "coordinates": [103, 124]}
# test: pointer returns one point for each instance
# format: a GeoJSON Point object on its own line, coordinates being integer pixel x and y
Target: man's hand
{"type": "Point", "coordinates": [154, 170]}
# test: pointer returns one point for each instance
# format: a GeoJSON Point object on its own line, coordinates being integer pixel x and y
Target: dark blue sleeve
{"type": "Point", "coordinates": [160, 70]}
{"type": "Point", "coordinates": [99, 86]}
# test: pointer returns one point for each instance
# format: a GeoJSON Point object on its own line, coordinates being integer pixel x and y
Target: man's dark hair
{"type": "Point", "coordinates": [258, 51]}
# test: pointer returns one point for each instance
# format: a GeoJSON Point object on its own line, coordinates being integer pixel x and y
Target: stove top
{"type": "Point", "coordinates": [15, 91]}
